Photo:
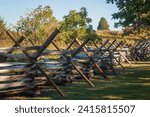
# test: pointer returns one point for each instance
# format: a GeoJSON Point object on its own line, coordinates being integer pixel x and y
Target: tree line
{"type": "Point", "coordinates": [38, 23]}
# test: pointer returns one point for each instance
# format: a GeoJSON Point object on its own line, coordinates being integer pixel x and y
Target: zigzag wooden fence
{"type": "Point", "coordinates": [33, 70]}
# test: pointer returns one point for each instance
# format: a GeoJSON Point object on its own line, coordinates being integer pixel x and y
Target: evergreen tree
{"type": "Point", "coordinates": [103, 24]}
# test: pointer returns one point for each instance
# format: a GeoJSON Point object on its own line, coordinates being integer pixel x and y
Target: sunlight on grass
{"type": "Point", "coordinates": [110, 97]}
{"type": "Point", "coordinates": [131, 84]}
{"type": "Point", "coordinates": [144, 78]}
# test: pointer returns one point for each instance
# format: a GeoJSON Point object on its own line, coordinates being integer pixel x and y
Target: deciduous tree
{"type": "Point", "coordinates": [2, 28]}
{"type": "Point", "coordinates": [38, 23]}
{"type": "Point", "coordinates": [133, 14]}
{"type": "Point", "coordinates": [77, 25]}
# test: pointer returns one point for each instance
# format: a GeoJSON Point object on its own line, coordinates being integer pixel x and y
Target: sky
{"type": "Point", "coordinates": [11, 10]}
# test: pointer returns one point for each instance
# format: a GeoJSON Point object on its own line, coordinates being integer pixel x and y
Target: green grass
{"type": "Point", "coordinates": [131, 84]}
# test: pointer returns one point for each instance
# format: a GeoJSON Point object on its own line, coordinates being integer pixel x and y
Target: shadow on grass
{"type": "Point", "coordinates": [131, 84]}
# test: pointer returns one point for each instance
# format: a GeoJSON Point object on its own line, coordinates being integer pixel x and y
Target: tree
{"type": "Point", "coordinates": [77, 25]}
{"type": "Point", "coordinates": [103, 24]}
{"type": "Point", "coordinates": [133, 14]}
{"type": "Point", "coordinates": [37, 23]}
{"type": "Point", "coordinates": [2, 28]}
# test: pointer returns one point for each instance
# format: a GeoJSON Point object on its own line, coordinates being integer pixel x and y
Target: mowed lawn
{"type": "Point", "coordinates": [130, 84]}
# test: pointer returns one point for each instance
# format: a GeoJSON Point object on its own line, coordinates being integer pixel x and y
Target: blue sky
{"type": "Point", "coordinates": [11, 10]}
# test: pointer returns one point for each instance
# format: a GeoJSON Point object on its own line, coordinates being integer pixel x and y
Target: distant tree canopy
{"type": "Point", "coordinates": [38, 23]}
{"type": "Point", "coordinates": [103, 24]}
{"type": "Point", "coordinates": [2, 28]}
{"type": "Point", "coordinates": [133, 14]}
{"type": "Point", "coordinates": [77, 25]}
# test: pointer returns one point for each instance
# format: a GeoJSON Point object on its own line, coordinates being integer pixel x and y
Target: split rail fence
{"type": "Point", "coordinates": [31, 69]}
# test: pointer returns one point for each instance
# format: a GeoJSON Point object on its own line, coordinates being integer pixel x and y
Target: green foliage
{"type": "Point", "coordinates": [133, 14]}
{"type": "Point", "coordinates": [38, 23]}
{"type": "Point", "coordinates": [77, 25]}
{"type": "Point", "coordinates": [103, 24]}
{"type": "Point", "coordinates": [2, 28]}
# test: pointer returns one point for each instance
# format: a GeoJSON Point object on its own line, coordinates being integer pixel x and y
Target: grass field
{"type": "Point", "coordinates": [131, 84]}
